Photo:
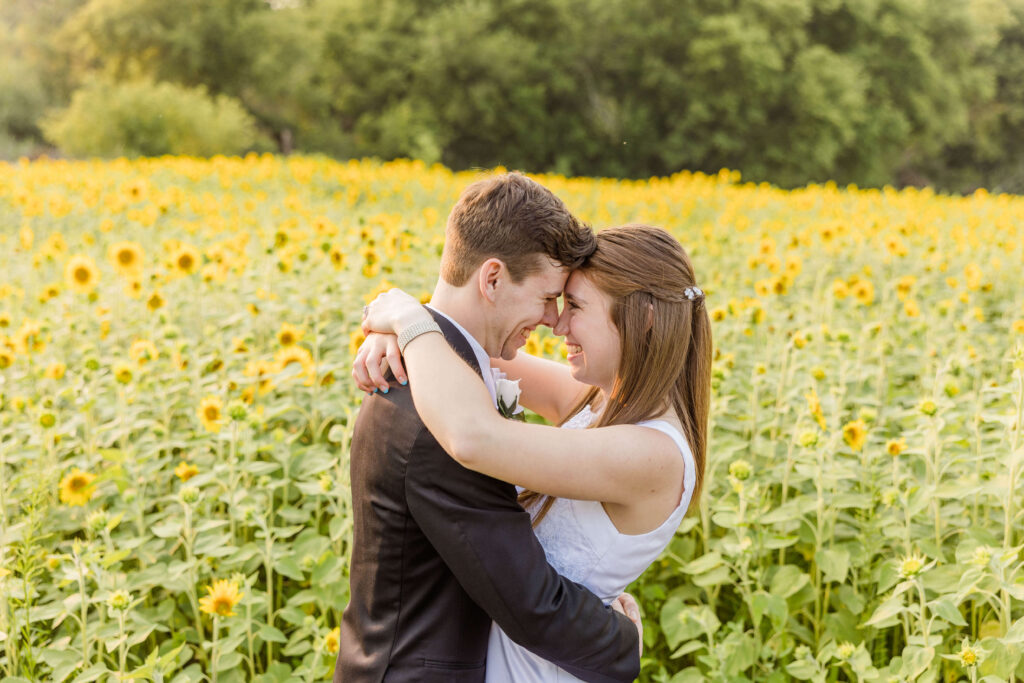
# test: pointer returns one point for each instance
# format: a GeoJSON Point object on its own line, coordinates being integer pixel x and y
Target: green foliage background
{"type": "Point", "coordinates": [789, 91]}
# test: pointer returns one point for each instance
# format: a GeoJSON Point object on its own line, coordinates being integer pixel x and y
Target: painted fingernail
{"type": "Point", "coordinates": [386, 389]}
{"type": "Point", "coordinates": [375, 390]}
{"type": "Point", "coordinates": [403, 381]}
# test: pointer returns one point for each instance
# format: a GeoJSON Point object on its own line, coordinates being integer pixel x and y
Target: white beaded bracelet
{"type": "Point", "coordinates": [415, 330]}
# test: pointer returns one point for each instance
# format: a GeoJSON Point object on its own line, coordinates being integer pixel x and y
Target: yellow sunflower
{"type": "Point", "coordinates": [814, 407]}
{"type": "Point", "coordinates": [855, 434]}
{"type": "Point", "coordinates": [185, 470]}
{"type": "Point", "coordinates": [77, 487]}
{"type": "Point", "coordinates": [210, 413]}
{"type": "Point", "coordinates": [895, 446]}
{"type": "Point", "coordinates": [133, 288]}
{"type": "Point", "coordinates": [289, 335]}
{"type": "Point", "coordinates": [154, 301]}
{"type": "Point", "coordinates": [533, 345]}
{"type": "Point", "coordinates": [262, 369]}
{"type": "Point", "coordinates": [904, 285]}
{"type": "Point", "coordinates": [50, 291]}
{"type": "Point", "coordinates": [222, 598]}
{"type": "Point", "coordinates": [337, 256]}
{"type": "Point", "coordinates": [840, 290]}
{"type": "Point", "coordinates": [293, 354]}
{"type": "Point", "coordinates": [355, 339]}
{"type": "Point", "coordinates": [81, 273]}
{"type": "Point", "coordinates": [126, 257]}
{"type": "Point", "coordinates": [864, 292]}
{"type": "Point", "coordinates": [332, 641]}
{"type": "Point", "coordinates": [56, 370]}
{"type": "Point", "coordinates": [123, 373]}
{"type": "Point", "coordinates": [28, 338]}
{"type": "Point", "coordinates": [142, 351]}
{"type": "Point", "coordinates": [186, 259]}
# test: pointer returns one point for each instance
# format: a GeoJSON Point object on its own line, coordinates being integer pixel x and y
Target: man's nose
{"type": "Point", "coordinates": [550, 318]}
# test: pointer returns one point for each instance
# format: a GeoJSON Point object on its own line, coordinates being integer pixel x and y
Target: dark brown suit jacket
{"type": "Point", "coordinates": [439, 551]}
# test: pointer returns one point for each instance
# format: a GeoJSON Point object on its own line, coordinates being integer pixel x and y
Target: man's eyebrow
{"type": "Point", "coordinates": [553, 295]}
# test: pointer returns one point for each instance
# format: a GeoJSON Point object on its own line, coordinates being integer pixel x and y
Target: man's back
{"type": "Point", "coordinates": [440, 551]}
{"type": "Point", "coordinates": [406, 608]}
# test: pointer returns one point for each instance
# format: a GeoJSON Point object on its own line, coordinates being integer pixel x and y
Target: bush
{"type": "Point", "coordinates": [150, 119]}
{"type": "Point", "coordinates": [21, 101]}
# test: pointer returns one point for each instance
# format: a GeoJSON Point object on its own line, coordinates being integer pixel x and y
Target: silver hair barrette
{"type": "Point", "coordinates": [693, 292]}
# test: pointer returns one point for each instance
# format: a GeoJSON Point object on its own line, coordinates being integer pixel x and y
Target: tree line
{"type": "Point", "coordinates": [871, 92]}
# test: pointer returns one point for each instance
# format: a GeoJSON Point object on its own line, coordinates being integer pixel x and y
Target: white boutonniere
{"type": "Point", "coordinates": [507, 392]}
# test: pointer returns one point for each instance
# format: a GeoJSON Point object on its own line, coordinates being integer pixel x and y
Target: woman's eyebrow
{"type": "Point", "coordinates": [575, 298]}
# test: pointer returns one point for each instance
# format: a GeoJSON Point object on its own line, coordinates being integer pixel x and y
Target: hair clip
{"type": "Point", "coordinates": [693, 292]}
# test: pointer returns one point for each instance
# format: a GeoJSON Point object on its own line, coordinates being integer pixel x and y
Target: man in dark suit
{"type": "Point", "coordinates": [440, 550]}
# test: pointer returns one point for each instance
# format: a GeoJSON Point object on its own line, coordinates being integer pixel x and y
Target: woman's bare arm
{"type": "Point", "coordinates": [616, 464]}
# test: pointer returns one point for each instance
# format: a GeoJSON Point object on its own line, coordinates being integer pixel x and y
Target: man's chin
{"type": "Point", "coordinates": [509, 352]}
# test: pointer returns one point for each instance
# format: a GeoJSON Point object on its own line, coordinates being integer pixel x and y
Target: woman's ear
{"type": "Point", "coordinates": [650, 316]}
{"type": "Point", "coordinates": [489, 278]}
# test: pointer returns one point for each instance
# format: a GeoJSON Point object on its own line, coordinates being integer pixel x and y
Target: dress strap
{"type": "Point", "coordinates": [690, 465]}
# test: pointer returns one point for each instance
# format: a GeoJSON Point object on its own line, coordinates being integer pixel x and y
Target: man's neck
{"type": "Point", "coordinates": [458, 304]}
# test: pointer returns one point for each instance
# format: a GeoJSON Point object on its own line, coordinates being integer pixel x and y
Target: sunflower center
{"type": "Point", "coordinates": [78, 483]}
{"type": "Point", "coordinates": [222, 606]}
{"type": "Point", "coordinates": [126, 257]}
{"type": "Point", "coordinates": [82, 274]}
{"type": "Point", "coordinates": [212, 413]}
{"type": "Point", "coordinates": [185, 261]}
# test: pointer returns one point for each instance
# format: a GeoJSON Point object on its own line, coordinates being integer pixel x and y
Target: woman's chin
{"type": "Point", "coordinates": [577, 372]}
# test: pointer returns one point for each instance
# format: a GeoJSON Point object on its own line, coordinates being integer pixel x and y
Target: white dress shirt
{"type": "Point", "coordinates": [481, 356]}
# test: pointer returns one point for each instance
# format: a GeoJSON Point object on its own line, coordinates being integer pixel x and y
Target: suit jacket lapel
{"type": "Point", "coordinates": [457, 341]}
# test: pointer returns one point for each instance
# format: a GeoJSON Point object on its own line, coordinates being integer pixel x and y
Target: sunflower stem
{"type": "Point", "coordinates": [216, 630]}
{"type": "Point", "coordinates": [122, 645]}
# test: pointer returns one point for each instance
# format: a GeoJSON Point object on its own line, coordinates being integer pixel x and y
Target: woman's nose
{"type": "Point", "coordinates": [562, 324]}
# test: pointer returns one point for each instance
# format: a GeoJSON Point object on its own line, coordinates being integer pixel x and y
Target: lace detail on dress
{"type": "Point", "coordinates": [580, 420]}
{"type": "Point", "coordinates": [569, 550]}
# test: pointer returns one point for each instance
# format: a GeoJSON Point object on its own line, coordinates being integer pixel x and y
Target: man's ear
{"type": "Point", "coordinates": [490, 276]}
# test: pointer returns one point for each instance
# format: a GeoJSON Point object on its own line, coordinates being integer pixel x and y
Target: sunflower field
{"type": "Point", "coordinates": [175, 412]}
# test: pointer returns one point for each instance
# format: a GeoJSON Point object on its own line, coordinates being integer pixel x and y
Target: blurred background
{"type": "Point", "coordinates": [872, 92]}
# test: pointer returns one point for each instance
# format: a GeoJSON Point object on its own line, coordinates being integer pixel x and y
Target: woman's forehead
{"type": "Point", "coordinates": [578, 285]}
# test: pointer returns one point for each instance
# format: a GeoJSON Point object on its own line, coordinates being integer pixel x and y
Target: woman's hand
{"type": "Point", "coordinates": [391, 312]}
{"type": "Point", "coordinates": [626, 604]}
{"type": "Point", "coordinates": [377, 352]}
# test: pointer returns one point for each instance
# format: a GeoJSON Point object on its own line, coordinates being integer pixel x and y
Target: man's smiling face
{"type": "Point", "coordinates": [525, 305]}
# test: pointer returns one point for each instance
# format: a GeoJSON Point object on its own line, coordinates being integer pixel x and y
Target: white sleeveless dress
{"type": "Point", "coordinates": [583, 545]}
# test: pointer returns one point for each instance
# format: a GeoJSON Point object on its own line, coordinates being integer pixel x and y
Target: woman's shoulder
{"type": "Point", "coordinates": [669, 424]}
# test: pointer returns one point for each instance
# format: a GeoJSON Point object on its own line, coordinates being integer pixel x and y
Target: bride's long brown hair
{"type": "Point", "coordinates": [665, 339]}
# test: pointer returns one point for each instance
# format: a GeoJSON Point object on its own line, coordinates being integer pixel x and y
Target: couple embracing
{"type": "Point", "coordinates": [490, 549]}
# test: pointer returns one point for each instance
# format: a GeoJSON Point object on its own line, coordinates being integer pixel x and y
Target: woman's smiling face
{"type": "Point", "coordinates": [592, 339]}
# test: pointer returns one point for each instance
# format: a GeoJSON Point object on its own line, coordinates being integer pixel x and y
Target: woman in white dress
{"type": "Point", "coordinates": [609, 487]}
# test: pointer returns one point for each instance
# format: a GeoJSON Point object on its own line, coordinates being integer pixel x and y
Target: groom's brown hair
{"type": "Point", "coordinates": [515, 219]}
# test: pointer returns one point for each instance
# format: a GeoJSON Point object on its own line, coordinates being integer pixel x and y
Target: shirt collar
{"type": "Point", "coordinates": [481, 356]}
